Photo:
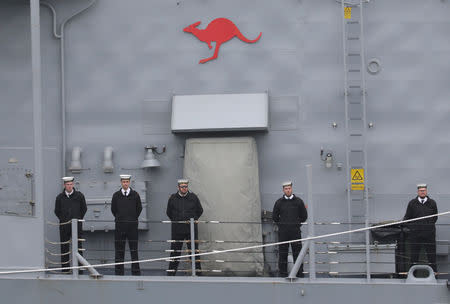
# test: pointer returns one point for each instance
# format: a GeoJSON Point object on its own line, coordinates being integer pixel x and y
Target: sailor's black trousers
{"type": "Point", "coordinates": [126, 231]}
{"type": "Point", "coordinates": [287, 235]}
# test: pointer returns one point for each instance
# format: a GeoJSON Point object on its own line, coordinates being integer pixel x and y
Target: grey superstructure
{"type": "Point", "coordinates": [93, 88]}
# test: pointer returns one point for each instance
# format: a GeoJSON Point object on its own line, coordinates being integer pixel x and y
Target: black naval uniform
{"type": "Point", "coordinates": [422, 232]}
{"type": "Point", "coordinates": [182, 208]}
{"type": "Point", "coordinates": [67, 208]}
{"type": "Point", "coordinates": [289, 214]}
{"type": "Point", "coordinates": [126, 210]}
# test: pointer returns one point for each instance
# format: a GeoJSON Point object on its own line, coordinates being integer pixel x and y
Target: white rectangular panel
{"type": "Point", "coordinates": [220, 112]}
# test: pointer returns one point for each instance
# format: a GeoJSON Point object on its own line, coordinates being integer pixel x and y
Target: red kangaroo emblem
{"type": "Point", "coordinates": [219, 30]}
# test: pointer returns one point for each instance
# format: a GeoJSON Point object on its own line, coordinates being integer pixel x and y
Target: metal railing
{"type": "Point", "coordinates": [334, 257]}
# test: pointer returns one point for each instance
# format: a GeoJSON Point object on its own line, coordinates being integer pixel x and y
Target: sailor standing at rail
{"type": "Point", "coordinates": [288, 213]}
{"type": "Point", "coordinates": [422, 232]}
{"type": "Point", "coordinates": [69, 204]}
{"type": "Point", "coordinates": [126, 207]}
{"type": "Point", "coordinates": [182, 206]}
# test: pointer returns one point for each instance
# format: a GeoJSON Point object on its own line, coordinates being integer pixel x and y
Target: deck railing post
{"type": "Point", "coordinates": [310, 203]}
{"type": "Point", "coordinates": [192, 246]}
{"type": "Point", "coordinates": [299, 261]}
{"type": "Point", "coordinates": [75, 248]}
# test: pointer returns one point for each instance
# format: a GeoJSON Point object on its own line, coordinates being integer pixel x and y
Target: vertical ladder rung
{"type": "Point", "coordinates": [354, 67]}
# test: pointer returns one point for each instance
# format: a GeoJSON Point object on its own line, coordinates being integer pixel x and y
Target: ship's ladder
{"type": "Point", "coordinates": [355, 119]}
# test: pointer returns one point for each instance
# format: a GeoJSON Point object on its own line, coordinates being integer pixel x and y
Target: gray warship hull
{"type": "Point", "coordinates": [204, 290]}
{"type": "Point", "coordinates": [349, 99]}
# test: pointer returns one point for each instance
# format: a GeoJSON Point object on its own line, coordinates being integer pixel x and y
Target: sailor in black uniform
{"type": "Point", "coordinates": [182, 206]}
{"type": "Point", "coordinates": [69, 204]}
{"type": "Point", "coordinates": [288, 213]}
{"type": "Point", "coordinates": [126, 207]}
{"type": "Point", "coordinates": [422, 232]}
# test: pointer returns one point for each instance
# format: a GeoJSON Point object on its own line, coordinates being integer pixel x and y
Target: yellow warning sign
{"type": "Point", "coordinates": [348, 12]}
{"type": "Point", "coordinates": [357, 176]}
{"type": "Point", "coordinates": [357, 186]}
{"type": "Point", "coordinates": [357, 179]}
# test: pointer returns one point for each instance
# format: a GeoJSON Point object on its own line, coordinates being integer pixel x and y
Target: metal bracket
{"type": "Point", "coordinates": [352, 2]}
{"type": "Point", "coordinates": [411, 278]}
{"type": "Point", "coordinates": [155, 149]}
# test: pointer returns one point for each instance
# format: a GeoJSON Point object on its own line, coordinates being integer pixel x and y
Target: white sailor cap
{"type": "Point", "coordinates": [183, 181]}
{"type": "Point", "coordinates": [125, 176]}
{"type": "Point", "coordinates": [287, 183]}
{"type": "Point", "coordinates": [421, 186]}
{"type": "Point", "coordinates": [68, 179]}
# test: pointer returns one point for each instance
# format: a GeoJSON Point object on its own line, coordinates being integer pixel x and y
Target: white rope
{"type": "Point", "coordinates": [57, 243]}
{"type": "Point", "coordinates": [229, 250]}
{"type": "Point", "coordinates": [59, 224]}
{"type": "Point", "coordinates": [58, 254]}
{"type": "Point", "coordinates": [56, 263]}
{"type": "Point", "coordinates": [64, 223]}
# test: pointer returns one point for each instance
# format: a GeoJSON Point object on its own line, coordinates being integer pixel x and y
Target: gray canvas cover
{"type": "Point", "coordinates": [223, 172]}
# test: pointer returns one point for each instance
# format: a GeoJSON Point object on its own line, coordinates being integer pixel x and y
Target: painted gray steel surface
{"type": "Point", "coordinates": [125, 60]}
{"type": "Point", "coordinates": [231, 290]}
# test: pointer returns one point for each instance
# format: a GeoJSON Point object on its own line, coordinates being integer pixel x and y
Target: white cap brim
{"type": "Point", "coordinates": [125, 176]}
{"type": "Point", "coordinates": [68, 179]}
{"type": "Point", "coordinates": [183, 181]}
